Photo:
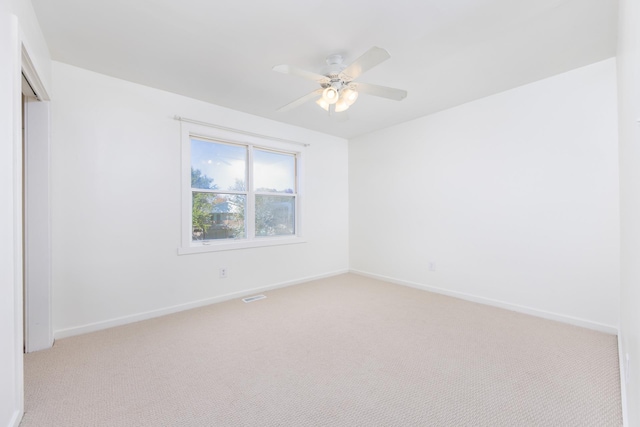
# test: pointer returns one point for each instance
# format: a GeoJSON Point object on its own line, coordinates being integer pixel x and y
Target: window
{"type": "Point", "coordinates": [239, 191]}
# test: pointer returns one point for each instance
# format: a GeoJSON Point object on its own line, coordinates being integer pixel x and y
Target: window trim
{"type": "Point", "coordinates": [190, 130]}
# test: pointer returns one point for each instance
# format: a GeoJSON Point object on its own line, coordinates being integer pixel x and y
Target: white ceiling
{"type": "Point", "coordinates": [443, 52]}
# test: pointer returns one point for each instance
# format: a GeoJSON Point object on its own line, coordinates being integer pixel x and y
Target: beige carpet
{"type": "Point", "coordinates": [344, 351]}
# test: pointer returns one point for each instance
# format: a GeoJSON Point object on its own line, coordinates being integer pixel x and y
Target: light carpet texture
{"type": "Point", "coordinates": [344, 351]}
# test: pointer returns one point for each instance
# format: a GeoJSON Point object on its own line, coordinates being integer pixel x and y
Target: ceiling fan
{"type": "Point", "coordinates": [338, 88]}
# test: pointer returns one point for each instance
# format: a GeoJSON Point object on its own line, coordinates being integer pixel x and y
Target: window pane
{"type": "Point", "coordinates": [218, 166]}
{"type": "Point", "coordinates": [274, 172]}
{"type": "Point", "coordinates": [217, 216]}
{"type": "Point", "coordinates": [275, 215]}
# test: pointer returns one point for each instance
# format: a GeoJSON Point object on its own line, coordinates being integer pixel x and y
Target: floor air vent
{"type": "Point", "coordinates": [253, 298]}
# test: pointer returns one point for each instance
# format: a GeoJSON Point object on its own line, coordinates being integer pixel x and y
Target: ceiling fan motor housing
{"type": "Point", "coordinates": [334, 66]}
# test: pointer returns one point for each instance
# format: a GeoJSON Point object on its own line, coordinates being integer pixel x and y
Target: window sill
{"type": "Point", "coordinates": [199, 248]}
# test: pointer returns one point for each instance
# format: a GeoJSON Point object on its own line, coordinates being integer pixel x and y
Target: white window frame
{"type": "Point", "coordinates": [188, 246]}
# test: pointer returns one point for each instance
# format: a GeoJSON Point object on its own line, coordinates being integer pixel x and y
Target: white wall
{"type": "Point", "coordinates": [116, 205]}
{"type": "Point", "coordinates": [514, 197]}
{"type": "Point", "coordinates": [18, 27]}
{"type": "Point", "coordinates": [629, 122]}
{"type": "Point", "coordinates": [10, 370]}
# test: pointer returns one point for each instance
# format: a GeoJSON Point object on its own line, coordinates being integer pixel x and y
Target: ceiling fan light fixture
{"type": "Point", "coordinates": [330, 95]}
{"type": "Point", "coordinates": [350, 96]}
{"type": "Point", "coordinates": [323, 104]}
{"type": "Point", "coordinates": [341, 105]}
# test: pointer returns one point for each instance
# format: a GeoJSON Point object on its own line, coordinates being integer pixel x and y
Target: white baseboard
{"type": "Point", "coordinates": [15, 419]}
{"type": "Point", "coordinates": [623, 384]}
{"type": "Point", "coordinates": [97, 326]}
{"type": "Point", "coordinates": [496, 303]}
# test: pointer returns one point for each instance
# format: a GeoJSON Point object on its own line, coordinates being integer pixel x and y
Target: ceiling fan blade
{"type": "Point", "coordinates": [288, 69]}
{"type": "Point", "coordinates": [383, 91]}
{"type": "Point", "coordinates": [301, 100]}
{"type": "Point", "coordinates": [367, 61]}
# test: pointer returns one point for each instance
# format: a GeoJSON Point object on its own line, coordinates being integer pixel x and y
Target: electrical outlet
{"type": "Point", "coordinates": [432, 266]}
{"type": "Point", "coordinates": [223, 273]}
